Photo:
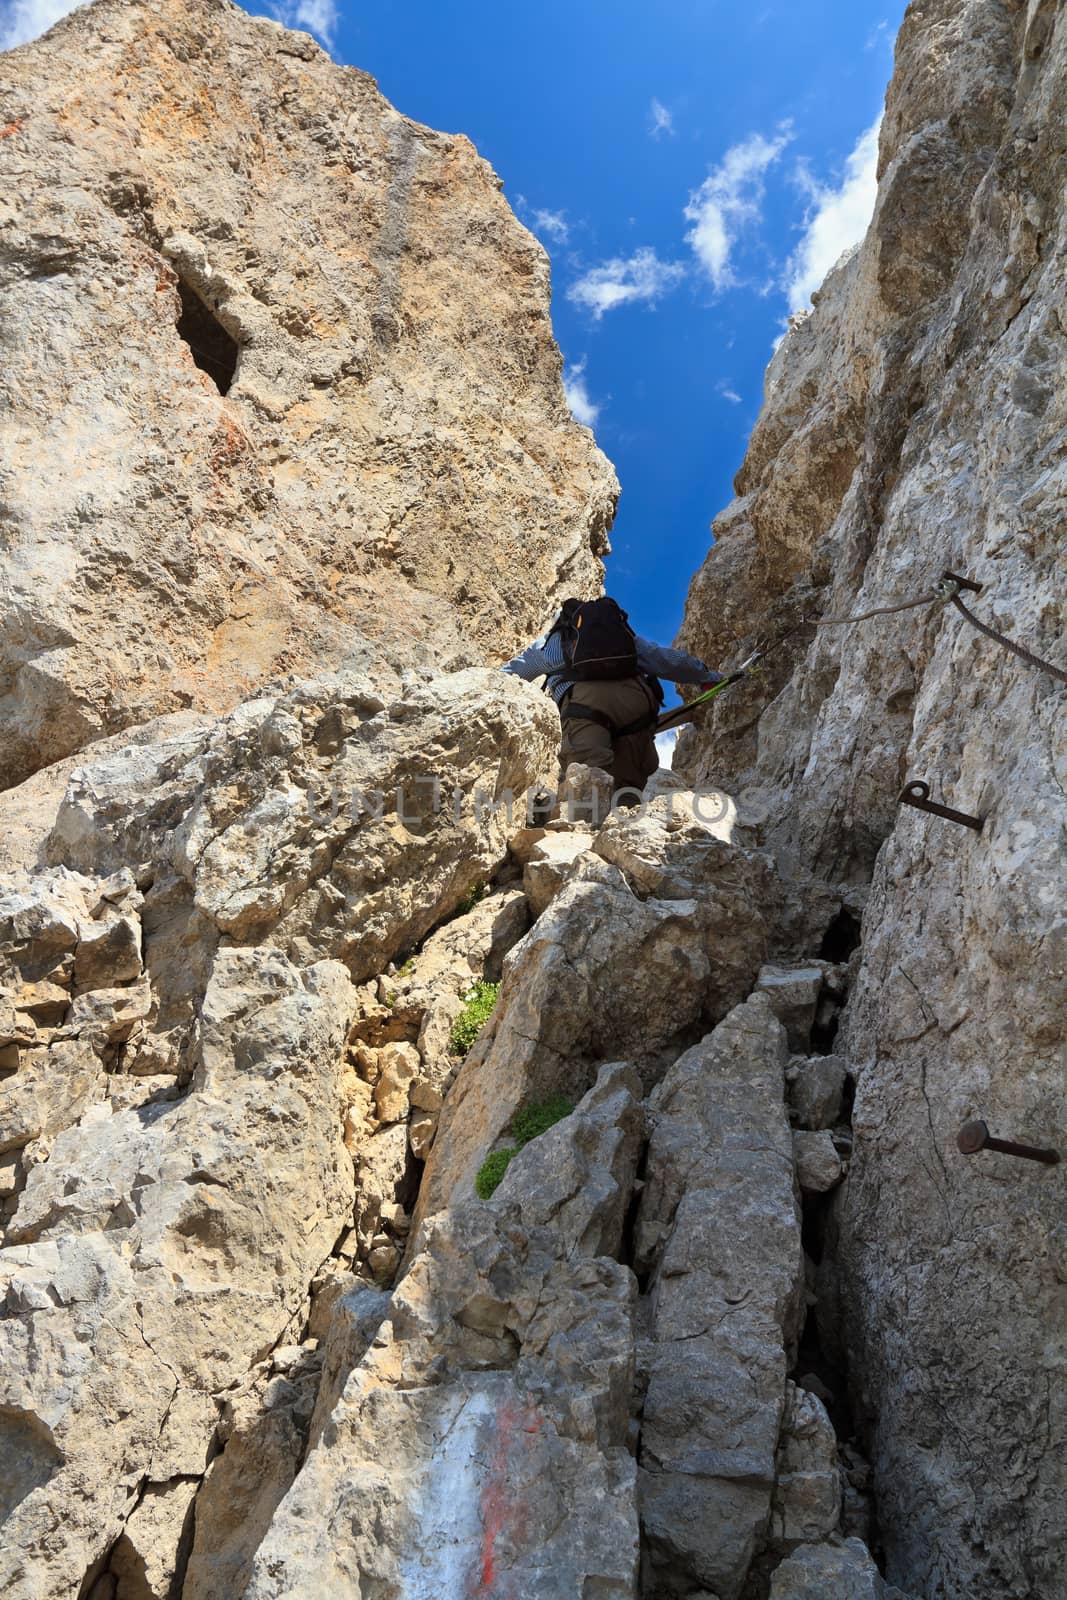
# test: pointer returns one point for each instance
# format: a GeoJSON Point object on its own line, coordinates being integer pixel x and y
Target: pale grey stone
{"type": "Point", "coordinates": [913, 424]}
{"type": "Point", "coordinates": [577, 1177]}
{"type": "Point", "coordinates": [818, 1164]}
{"type": "Point", "coordinates": [548, 865]}
{"type": "Point", "coordinates": [807, 1491]}
{"type": "Point", "coordinates": [719, 1229]}
{"type": "Point", "coordinates": [843, 1571]}
{"type": "Point", "coordinates": [794, 994]}
{"type": "Point", "coordinates": [816, 1085]}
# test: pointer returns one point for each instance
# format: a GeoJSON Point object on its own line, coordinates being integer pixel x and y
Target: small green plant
{"type": "Point", "coordinates": [472, 1019]}
{"type": "Point", "coordinates": [491, 1172]}
{"type": "Point", "coordinates": [532, 1120]}
{"type": "Point", "coordinates": [526, 1124]}
{"type": "Point", "coordinates": [406, 968]}
{"type": "Point", "coordinates": [471, 899]}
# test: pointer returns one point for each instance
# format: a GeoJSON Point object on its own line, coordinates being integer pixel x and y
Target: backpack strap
{"type": "Point", "coordinates": [641, 725]}
{"type": "Point", "coordinates": [588, 714]}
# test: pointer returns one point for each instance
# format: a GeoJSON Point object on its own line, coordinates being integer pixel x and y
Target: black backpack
{"type": "Point", "coordinates": [598, 641]}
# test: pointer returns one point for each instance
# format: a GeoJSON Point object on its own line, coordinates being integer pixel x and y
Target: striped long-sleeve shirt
{"type": "Point", "coordinates": [544, 659]}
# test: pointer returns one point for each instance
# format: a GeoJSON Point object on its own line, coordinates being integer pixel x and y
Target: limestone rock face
{"type": "Point", "coordinates": [629, 960]}
{"type": "Point", "coordinates": [153, 1258]}
{"type": "Point", "coordinates": [913, 424]}
{"type": "Point", "coordinates": [578, 1176]}
{"type": "Point", "coordinates": [259, 827]}
{"type": "Point", "coordinates": [176, 1095]}
{"type": "Point", "coordinates": [277, 365]}
{"type": "Point", "coordinates": [719, 1230]}
{"type": "Point", "coordinates": [480, 1440]}
{"type": "Point", "coordinates": [251, 1348]}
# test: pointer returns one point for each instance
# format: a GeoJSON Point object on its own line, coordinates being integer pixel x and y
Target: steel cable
{"type": "Point", "coordinates": [948, 589]}
{"type": "Point", "coordinates": [1019, 650]}
{"type": "Point", "coordinates": [879, 611]}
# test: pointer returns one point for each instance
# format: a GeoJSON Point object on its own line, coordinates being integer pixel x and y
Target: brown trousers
{"type": "Point", "coordinates": [632, 759]}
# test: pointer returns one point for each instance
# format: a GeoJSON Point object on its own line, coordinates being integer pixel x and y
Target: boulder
{"type": "Point", "coordinates": [601, 974]}
{"type": "Point", "coordinates": [151, 1551]}
{"type": "Point", "coordinates": [819, 1166]}
{"type": "Point", "coordinates": [50, 1090]}
{"type": "Point", "coordinates": [617, 967]}
{"type": "Point", "coordinates": [398, 1065]}
{"type": "Point", "coordinates": [479, 1438]}
{"type": "Point", "coordinates": [577, 1177]}
{"type": "Point", "coordinates": [718, 1230]}
{"type": "Point", "coordinates": [843, 1570]}
{"type": "Point", "coordinates": [548, 864]}
{"type": "Point", "coordinates": [807, 1491]}
{"type": "Point", "coordinates": [109, 952]}
{"type": "Point", "coordinates": [110, 1016]}
{"type": "Point", "coordinates": [263, 1432]}
{"type": "Point", "coordinates": [290, 433]}
{"type": "Point", "coordinates": [794, 996]}
{"type": "Point", "coordinates": [816, 1085]}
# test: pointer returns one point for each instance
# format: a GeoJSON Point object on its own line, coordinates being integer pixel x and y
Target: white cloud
{"type": "Point", "coordinates": [585, 410]}
{"type": "Point", "coordinates": [554, 224]}
{"type": "Point", "coordinates": [21, 20]}
{"type": "Point", "coordinates": [880, 34]}
{"type": "Point", "coordinates": [837, 220]}
{"type": "Point", "coordinates": [665, 743]}
{"type": "Point", "coordinates": [320, 17]}
{"type": "Point", "coordinates": [730, 394]}
{"type": "Point", "coordinates": [622, 281]}
{"type": "Point", "coordinates": [728, 201]}
{"type": "Point", "coordinates": [659, 119]}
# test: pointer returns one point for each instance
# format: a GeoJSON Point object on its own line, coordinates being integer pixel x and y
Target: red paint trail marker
{"type": "Point", "coordinates": [500, 1507]}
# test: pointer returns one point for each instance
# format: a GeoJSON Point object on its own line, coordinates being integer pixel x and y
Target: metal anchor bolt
{"type": "Point", "coordinates": [917, 794]}
{"type": "Point", "coordinates": [975, 1136]}
{"type": "Point", "coordinates": [951, 583]}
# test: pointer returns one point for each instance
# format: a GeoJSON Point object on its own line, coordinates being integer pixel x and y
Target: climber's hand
{"type": "Point", "coordinates": [716, 677]}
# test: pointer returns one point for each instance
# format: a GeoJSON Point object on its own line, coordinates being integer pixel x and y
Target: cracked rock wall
{"type": "Point", "coordinates": [914, 422]}
{"type": "Point", "coordinates": [394, 455]}
{"type": "Point", "coordinates": [178, 1097]}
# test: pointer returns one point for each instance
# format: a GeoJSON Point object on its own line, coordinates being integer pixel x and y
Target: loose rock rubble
{"type": "Point", "coordinates": [489, 1408]}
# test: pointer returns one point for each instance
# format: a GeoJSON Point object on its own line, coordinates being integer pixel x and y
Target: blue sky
{"type": "Point", "coordinates": [692, 167]}
{"type": "Point", "coordinates": [606, 121]}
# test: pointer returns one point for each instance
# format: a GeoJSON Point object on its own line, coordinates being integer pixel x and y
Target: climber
{"type": "Point", "coordinates": [605, 680]}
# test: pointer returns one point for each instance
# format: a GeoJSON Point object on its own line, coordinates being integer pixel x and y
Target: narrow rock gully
{"type": "Point", "coordinates": [621, 1373]}
{"type": "Point", "coordinates": [335, 1357]}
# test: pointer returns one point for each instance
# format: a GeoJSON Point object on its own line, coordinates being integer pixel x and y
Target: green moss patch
{"type": "Point", "coordinates": [532, 1120]}
{"type": "Point", "coordinates": [491, 1172]}
{"type": "Point", "coordinates": [472, 1019]}
{"type": "Point", "coordinates": [525, 1125]}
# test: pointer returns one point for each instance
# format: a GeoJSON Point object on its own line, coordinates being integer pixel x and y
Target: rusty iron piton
{"type": "Point", "coordinates": [954, 583]}
{"type": "Point", "coordinates": [975, 1136]}
{"type": "Point", "coordinates": [917, 794]}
